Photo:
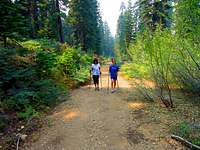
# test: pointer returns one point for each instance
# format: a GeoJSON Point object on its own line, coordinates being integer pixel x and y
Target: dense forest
{"type": "Point", "coordinates": [47, 46]}
{"type": "Point", "coordinates": [67, 22]}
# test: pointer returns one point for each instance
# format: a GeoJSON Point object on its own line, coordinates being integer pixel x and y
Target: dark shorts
{"type": "Point", "coordinates": [96, 79]}
{"type": "Point", "coordinates": [113, 78]}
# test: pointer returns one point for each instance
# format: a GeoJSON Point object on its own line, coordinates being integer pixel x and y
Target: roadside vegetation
{"type": "Point", "coordinates": [34, 78]}
{"type": "Point", "coordinates": [164, 56]}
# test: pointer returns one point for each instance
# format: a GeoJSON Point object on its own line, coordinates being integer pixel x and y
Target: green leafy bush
{"type": "Point", "coordinates": [27, 113]}
{"type": "Point", "coordinates": [166, 58]}
{"type": "Point", "coordinates": [45, 61]}
{"type": "Point", "coordinates": [196, 141]}
{"type": "Point", "coordinates": [85, 60]}
{"type": "Point", "coordinates": [188, 131]}
{"type": "Point", "coordinates": [172, 54]}
{"type": "Point", "coordinates": [82, 75]}
{"type": "Point", "coordinates": [183, 129]}
{"type": "Point", "coordinates": [136, 71]}
{"type": "Point", "coordinates": [68, 62]}
{"type": "Point", "coordinates": [84, 68]}
{"type": "Point", "coordinates": [48, 92]}
{"type": "Point", "coordinates": [40, 44]}
{"type": "Point", "coordinates": [34, 76]}
{"type": "Point", "coordinates": [25, 81]}
{"type": "Point", "coordinates": [74, 64]}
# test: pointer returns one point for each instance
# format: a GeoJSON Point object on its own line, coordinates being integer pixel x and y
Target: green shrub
{"type": "Point", "coordinates": [33, 76]}
{"type": "Point", "coordinates": [196, 141]}
{"type": "Point", "coordinates": [183, 129]}
{"type": "Point", "coordinates": [31, 45]}
{"type": "Point", "coordinates": [27, 113]}
{"type": "Point", "coordinates": [136, 71]}
{"type": "Point", "coordinates": [24, 98]}
{"type": "Point", "coordinates": [166, 58]}
{"type": "Point", "coordinates": [68, 62]}
{"type": "Point", "coordinates": [188, 131]}
{"type": "Point", "coordinates": [25, 82]}
{"type": "Point", "coordinates": [82, 75]}
{"type": "Point", "coordinates": [4, 121]}
{"type": "Point", "coordinates": [46, 61]}
{"type": "Point", "coordinates": [40, 44]}
{"type": "Point", "coordinates": [85, 60]}
{"type": "Point", "coordinates": [8, 103]}
{"type": "Point", "coordinates": [48, 92]}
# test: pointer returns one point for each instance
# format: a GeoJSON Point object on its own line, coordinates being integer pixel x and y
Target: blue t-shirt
{"type": "Point", "coordinates": [113, 70]}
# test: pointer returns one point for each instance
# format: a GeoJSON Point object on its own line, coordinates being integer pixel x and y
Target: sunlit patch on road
{"type": "Point", "coordinates": [135, 105]}
{"type": "Point", "coordinates": [67, 114]}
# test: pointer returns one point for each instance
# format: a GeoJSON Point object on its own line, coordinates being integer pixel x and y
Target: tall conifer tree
{"type": "Point", "coordinates": [84, 19]}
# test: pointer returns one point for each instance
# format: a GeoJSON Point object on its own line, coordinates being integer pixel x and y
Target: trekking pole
{"type": "Point", "coordinates": [101, 80]}
{"type": "Point", "coordinates": [108, 83]}
{"type": "Point", "coordinates": [90, 85]}
{"type": "Point", "coordinates": [117, 84]}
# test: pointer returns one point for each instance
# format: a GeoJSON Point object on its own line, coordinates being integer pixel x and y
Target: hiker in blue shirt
{"type": "Point", "coordinates": [113, 71]}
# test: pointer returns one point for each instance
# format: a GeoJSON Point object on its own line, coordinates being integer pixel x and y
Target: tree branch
{"type": "Point", "coordinates": [185, 142]}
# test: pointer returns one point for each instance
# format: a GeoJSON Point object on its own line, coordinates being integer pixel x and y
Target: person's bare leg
{"type": "Point", "coordinates": [114, 84]}
{"type": "Point", "coordinates": [97, 86]}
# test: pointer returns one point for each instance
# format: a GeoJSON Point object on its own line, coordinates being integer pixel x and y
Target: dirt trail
{"type": "Point", "coordinates": [93, 120]}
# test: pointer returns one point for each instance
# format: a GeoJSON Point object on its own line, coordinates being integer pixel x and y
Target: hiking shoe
{"type": "Point", "coordinates": [113, 90]}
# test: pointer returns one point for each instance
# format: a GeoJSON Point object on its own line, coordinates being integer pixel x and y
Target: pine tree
{"type": "Point", "coordinates": [46, 19]}
{"type": "Point", "coordinates": [121, 31]}
{"type": "Point", "coordinates": [11, 22]}
{"type": "Point", "coordinates": [59, 30]}
{"type": "Point", "coordinates": [84, 17]}
{"type": "Point", "coordinates": [152, 13]}
{"type": "Point", "coordinates": [130, 24]}
{"type": "Point", "coordinates": [41, 18]}
{"type": "Point", "coordinates": [188, 19]}
{"type": "Point", "coordinates": [107, 41]}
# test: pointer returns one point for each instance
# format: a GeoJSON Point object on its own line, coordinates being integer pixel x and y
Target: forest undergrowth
{"type": "Point", "coordinates": [35, 77]}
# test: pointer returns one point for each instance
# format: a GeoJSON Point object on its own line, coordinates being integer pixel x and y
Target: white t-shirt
{"type": "Point", "coordinates": [96, 69]}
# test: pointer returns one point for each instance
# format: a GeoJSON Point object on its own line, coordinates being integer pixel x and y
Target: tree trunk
{"type": "Point", "coordinates": [59, 23]}
{"type": "Point", "coordinates": [32, 22]}
{"type": "Point", "coordinates": [5, 41]}
{"type": "Point", "coordinates": [35, 16]}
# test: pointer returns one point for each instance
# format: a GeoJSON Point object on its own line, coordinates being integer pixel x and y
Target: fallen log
{"type": "Point", "coordinates": [185, 142]}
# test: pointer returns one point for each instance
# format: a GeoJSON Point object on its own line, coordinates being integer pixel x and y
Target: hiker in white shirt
{"type": "Point", "coordinates": [96, 72]}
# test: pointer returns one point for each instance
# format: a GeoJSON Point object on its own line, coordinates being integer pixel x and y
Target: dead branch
{"type": "Point", "coordinates": [20, 136]}
{"type": "Point", "coordinates": [185, 142]}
